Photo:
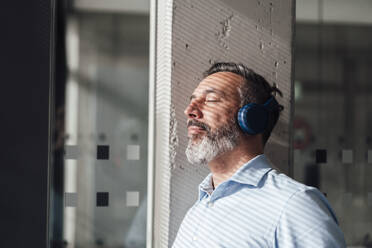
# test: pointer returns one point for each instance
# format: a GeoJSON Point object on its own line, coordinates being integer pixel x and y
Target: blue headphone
{"type": "Point", "coordinates": [253, 117]}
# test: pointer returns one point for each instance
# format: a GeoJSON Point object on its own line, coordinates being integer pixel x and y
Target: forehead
{"type": "Point", "coordinates": [226, 82]}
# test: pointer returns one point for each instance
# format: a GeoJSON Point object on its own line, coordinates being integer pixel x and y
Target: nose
{"type": "Point", "coordinates": [192, 111]}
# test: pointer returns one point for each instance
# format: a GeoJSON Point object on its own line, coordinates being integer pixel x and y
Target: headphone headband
{"type": "Point", "coordinates": [272, 104]}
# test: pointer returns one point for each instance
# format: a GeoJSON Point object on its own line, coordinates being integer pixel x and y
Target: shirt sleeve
{"type": "Point", "coordinates": [307, 220]}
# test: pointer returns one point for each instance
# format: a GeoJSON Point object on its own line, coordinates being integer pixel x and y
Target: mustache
{"type": "Point", "coordinates": [198, 124]}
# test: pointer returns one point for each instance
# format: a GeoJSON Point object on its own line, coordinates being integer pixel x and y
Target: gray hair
{"type": "Point", "coordinates": [255, 89]}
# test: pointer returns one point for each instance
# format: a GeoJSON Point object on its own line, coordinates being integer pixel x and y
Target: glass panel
{"type": "Point", "coordinates": [99, 172]}
{"type": "Point", "coordinates": [332, 132]}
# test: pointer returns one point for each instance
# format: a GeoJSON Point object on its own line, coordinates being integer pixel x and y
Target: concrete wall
{"type": "Point", "coordinates": [191, 35]}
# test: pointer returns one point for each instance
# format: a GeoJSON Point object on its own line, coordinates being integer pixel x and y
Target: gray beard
{"type": "Point", "coordinates": [212, 144]}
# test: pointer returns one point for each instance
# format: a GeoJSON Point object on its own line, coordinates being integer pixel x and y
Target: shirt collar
{"type": "Point", "coordinates": [250, 173]}
{"type": "Point", "coordinates": [206, 187]}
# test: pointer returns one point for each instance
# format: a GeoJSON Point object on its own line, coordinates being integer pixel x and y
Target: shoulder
{"type": "Point", "coordinates": [278, 182]}
{"type": "Point", "coordinates": [297, 196]}
{"type": "Point", "coordinates": [283, 187]}
{"type": "Point", "coordinates": [284, 182]}
{"type": "Point", "coordinates": [304, 214]}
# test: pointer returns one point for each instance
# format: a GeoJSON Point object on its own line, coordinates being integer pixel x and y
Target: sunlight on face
{"type": "Point", "coordinates": [211, 116]}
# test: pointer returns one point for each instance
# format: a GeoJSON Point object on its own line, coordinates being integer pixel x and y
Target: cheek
{"type": "Point", "coordinates": [218, 118]}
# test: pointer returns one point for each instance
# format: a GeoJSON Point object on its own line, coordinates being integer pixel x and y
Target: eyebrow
{"type": "Point", "coordinates": [210, 90]}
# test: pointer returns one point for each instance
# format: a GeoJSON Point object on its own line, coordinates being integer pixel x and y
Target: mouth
{"type": "Point", "coordinates": [195, 130]}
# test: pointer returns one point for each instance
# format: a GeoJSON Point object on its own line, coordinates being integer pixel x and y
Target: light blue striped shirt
{"type": "Point", "coordinates": [259, 207]}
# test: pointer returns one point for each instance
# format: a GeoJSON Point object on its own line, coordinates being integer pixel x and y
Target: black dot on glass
{"type": "Point", "coordinates": [102, 199]}
{"type": "Point", "coordinates": [100, 242]}
{"type": "Point", "coordinates": [103, 152]}
{"type": "Point", "coordinates": [102, 137]}
{"type": "Point", "coordinates": [134, 137]}
{"type": "Point", "coordinates": [368, 140]}
{"type": "Point", "coordinates": [321, 156]}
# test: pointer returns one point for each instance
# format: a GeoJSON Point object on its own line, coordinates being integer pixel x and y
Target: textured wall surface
{"type": "Point", "coordinates": [190, 39]}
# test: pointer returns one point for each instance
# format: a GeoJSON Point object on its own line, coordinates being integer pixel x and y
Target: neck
{"type": "Point", "coordinates": [226, 164]}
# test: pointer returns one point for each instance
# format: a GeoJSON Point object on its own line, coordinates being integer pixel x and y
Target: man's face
{"type": "Point", "coordinates": [211, 117]}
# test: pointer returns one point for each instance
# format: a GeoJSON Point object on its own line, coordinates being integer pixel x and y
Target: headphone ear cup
{"type": "Point", "coordinates": [253, 118]}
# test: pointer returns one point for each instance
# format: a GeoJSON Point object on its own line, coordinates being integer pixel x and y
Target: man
{"type": "Point", "coordinates": [244, 201]}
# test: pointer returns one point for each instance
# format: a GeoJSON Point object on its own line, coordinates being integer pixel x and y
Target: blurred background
{"type": "Point", "coordinates": [99, 184]}
{"type": "Point", "coordinates": [99, 172]}
{"type": "Point", "coordinates": [332, 117]}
